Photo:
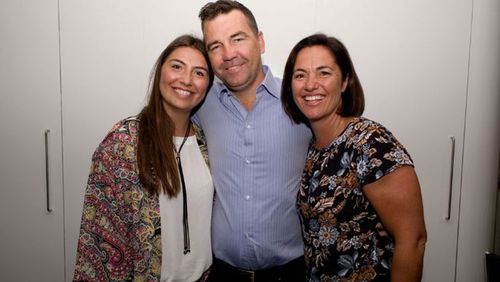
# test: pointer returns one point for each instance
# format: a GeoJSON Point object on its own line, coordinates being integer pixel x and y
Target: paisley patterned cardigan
{"type": "Point", "coordinates": [120, 233]}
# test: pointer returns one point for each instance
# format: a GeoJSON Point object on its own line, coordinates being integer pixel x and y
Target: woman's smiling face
{"type": "Point", "coordinates": [317, 83]}
{"type": "Point", "coordinates": [184, 80]}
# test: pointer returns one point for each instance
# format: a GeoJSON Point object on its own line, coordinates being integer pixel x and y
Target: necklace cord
{"type": "Point", "coordinates": [185, 224]}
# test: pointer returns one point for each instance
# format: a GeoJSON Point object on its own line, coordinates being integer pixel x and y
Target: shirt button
{"type": "Point", "coordinates": [247, 161]}
{"type": "Point", "coordinates": [247, 197]}
{"type": "Point", "coordinates": [248, 126]}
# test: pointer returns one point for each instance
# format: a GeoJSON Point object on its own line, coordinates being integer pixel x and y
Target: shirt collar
{"type": "Point", "coordinates": [270, 85]}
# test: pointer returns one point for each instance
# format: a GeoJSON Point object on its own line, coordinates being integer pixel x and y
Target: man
{"type": "Point", "coordinates": [256, 154]}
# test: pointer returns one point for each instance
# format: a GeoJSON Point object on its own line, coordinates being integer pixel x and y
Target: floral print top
{"type": "Point", "coordinates": [343, 236]}
{"type": "Point", "coordinates": [120, 233]}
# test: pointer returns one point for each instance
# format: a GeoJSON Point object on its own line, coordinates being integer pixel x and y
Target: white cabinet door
{"type": "Point", "coordinates": [31, 209]}
{"type": "Point", "coordinates": [482, 140]}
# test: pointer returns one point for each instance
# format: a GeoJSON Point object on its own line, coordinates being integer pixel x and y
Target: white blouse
{"type": "Point", "coordinates": [177, 266]}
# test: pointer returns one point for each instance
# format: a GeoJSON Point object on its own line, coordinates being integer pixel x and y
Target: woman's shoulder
{"type": "Point", "coordinates": [128, 126]}
{"type": "Point", "coordinates": [202, 142]}
{"type": "Point", "coordinates": [121, 139]}
{"type": "Point", "coordinates": [366, 131]}
{"type": "Point", "coordinates": [200, 135]}
{"type": "Point", "coordinates": [364, 123]}
{"type": "Point", "coordinates": [125, 130]}
{"type": "Point", "coordinates": [367, 127]}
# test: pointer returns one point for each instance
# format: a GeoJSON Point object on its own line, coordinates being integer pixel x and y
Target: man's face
{"type": "Point", "coordinates": [234, 50]}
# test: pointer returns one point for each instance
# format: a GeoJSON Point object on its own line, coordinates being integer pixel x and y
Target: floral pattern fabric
{"type": "Point", "coordinates": [120, 233]}
{"type": "Point", "coordinates": [343, 236]}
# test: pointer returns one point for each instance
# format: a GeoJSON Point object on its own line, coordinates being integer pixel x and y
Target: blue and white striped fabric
{"type": "Point", "coordinates": [256, 160]}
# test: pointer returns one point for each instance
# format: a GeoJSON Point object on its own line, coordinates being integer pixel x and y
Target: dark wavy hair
{"type": "Point", "coordinates": [155, 149]}
{"type": "Point", "coordinates": [352, 99]}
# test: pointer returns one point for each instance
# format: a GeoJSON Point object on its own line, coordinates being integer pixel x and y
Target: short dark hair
{"type": "Point", "coordinates": [212, 9]}
{"type": "Point", "coordinates": [353, 101]}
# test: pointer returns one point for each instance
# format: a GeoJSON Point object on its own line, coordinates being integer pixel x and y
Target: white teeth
{"type": "Point", "coordinates": [182, 92]}
{"type": "Point", "coordinates": [313, 98]}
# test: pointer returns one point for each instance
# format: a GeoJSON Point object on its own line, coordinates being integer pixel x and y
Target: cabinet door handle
{"type": "Point", "coordinates": [448, 213]}
{"type": "Point", "coordinates": [47, 170]}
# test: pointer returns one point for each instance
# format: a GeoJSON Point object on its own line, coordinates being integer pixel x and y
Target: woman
{"type": "Point", "coordinates": [148, 203]}
{"type": "Point", "coordinates": [359, 197]}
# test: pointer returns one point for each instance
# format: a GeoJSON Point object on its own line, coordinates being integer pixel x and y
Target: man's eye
{"type": "Point", "coordinates": [214, 48]}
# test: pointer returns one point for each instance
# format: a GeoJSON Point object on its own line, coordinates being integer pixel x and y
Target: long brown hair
{"type": "Point", "coordinates": [155, 149]}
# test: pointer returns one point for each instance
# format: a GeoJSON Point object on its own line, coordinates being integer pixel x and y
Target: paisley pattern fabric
{"type": "Point", "coordinates": [120, 233]}
{"type": "Point", "coordinates": [343, 236]}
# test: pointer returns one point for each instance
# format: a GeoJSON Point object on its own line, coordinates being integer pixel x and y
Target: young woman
{"type": "Point", "coordinates": [148, 202]}
{"type": "Point", "coordinates": [359, 198]}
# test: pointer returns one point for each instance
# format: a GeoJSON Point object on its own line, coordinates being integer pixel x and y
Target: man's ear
{"type": "Point", "coordinates": [262, 43]}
